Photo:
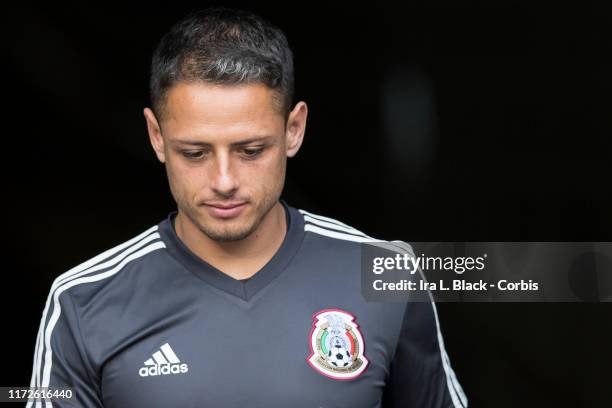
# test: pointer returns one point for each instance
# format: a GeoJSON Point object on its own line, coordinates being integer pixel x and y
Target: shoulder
{"type": "Point", "coordinates": [333, 231]}
{"type": "Point", "coordinates": [108, 265]}
{"type": "Point", "coordinates": [332, 228]}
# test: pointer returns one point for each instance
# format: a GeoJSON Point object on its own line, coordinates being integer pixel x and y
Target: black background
{"type": "Point", "coordinates": [451, 122]}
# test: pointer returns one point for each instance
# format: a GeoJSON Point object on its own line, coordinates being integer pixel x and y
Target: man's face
{"type": "Point", "coordinates": [225, 148]}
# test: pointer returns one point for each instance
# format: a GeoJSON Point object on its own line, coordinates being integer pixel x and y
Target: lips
{"type": "Point", "coordinates": [224, 206]}
{"type": "Point", "coordinates": [225, 210]}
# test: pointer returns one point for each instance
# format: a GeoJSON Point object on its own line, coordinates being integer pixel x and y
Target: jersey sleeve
{"type": "Point", "coordinates": [420, 374]}
{"type": "Point", "coordinates": [60, 358]}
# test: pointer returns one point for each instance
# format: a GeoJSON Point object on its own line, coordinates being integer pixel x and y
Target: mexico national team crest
{"type": "Point", "coordinates": [336, 345]}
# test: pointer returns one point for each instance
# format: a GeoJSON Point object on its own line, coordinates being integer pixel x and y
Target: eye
{"type": "Point", "coordinates": [252, 152]}
{"type": "Point", "coordinates": [193, 154]}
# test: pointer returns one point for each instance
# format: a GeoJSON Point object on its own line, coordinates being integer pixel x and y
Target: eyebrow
{"type": "Point", "coordinates": [200, 143]}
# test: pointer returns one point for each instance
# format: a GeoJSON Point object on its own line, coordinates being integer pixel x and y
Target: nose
{"type": "Point", "coordinates": [224, 180]}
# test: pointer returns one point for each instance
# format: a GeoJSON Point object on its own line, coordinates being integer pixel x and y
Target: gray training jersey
{"type": "Point", "coordinates": [150, 324]}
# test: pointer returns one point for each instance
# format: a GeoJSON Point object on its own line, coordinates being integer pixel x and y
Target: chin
{"type": "Point", "coordinates": [227, 234]}
{"type": "Point", "coordinates": [227, 230]}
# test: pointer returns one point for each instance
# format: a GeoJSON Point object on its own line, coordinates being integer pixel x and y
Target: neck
{"type": "Point", "coordinates": [238, 259]}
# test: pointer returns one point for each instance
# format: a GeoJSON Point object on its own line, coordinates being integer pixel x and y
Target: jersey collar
{"type": "Point", "coordinates": [244, 290]}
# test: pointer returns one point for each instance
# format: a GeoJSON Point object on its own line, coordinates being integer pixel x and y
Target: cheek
{"type": "Point", "coordinates": [260, 178]}
{"type": "Point", "coordinates": [183, 179]}
{"type": "Point", "coordinates": [272, 172]}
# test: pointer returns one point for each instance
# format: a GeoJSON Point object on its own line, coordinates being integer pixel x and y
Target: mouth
{"type": "Point", "coordinates": [225, 210]}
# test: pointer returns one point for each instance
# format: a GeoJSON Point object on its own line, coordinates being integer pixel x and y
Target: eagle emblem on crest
{"type": "Point", "coordinates": [336, 345]}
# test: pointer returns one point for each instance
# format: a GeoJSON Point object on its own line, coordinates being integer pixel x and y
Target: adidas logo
{"type": "Point", "coordinates": [164, 362]}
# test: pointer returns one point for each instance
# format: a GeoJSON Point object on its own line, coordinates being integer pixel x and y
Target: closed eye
{"type": "Point", "coordinates": [252, 152]}
{"type": "Point", "coordinates": [193, 154]}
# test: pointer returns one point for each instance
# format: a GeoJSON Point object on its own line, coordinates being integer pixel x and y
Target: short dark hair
{"type": "Point", "coordinates": [223, 46]}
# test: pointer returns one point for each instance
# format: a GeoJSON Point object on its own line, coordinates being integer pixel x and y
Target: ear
{"type": "Point", "coordinates": [157, 141]}
{"type": "Point", "coordinates": [296, 126]}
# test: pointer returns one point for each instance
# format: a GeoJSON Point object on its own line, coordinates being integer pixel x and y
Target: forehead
{"type": "Point", "coordinates": [204, 109]}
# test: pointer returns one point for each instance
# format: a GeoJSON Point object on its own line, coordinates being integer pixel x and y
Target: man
{"type": "Point", "coordinates": [236, 299]}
